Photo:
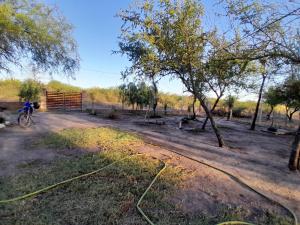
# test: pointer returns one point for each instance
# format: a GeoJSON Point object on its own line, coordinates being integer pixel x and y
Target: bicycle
{"type": "Point", "coordinates": [24, 118]}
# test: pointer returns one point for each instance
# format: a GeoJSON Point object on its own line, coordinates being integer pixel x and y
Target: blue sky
{"type": "Point", "coordinates": [96, 29]}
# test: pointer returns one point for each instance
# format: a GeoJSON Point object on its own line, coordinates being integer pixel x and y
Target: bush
{"type": "Point", "coordinates": [240, 112]}
{"type": "Point", "coordinates": [219, 112]}
{"type": "Point", "coordinates": [30, 90]}
{"type": "Point", "coordinates": [113, 114]}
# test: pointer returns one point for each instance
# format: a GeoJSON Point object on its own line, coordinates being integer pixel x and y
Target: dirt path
{"type": "Point", "coordinates": [258, 158]}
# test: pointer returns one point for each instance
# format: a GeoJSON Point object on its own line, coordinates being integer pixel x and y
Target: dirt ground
{"type": "Point", "coordinates": [257, 157]}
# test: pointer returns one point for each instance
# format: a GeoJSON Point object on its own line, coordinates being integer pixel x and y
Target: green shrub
{"type": "Point", "coordinates": [30, 90]}
{"type": "Point", "coordinates": [239, 112]}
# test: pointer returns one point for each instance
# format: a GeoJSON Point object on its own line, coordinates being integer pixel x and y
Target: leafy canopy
{"type": "Point", "coordinates": [38, 33]}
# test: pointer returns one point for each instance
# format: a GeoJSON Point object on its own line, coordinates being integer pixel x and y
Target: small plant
{"type": "Point", "coordinates": [239, 112]}
{"type": "Point", "coordinates": [113, 114]}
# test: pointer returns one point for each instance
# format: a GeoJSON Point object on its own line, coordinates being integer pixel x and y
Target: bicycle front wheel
{"type": "Point", "coordinates": [24, 120]}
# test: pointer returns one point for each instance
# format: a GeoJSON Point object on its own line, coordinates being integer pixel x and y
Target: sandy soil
{"type": "Point", "coordinates": [257, 157]}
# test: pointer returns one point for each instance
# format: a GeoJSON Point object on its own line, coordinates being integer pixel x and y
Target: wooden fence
{"type": "Point", "coordinates": [63, 100]}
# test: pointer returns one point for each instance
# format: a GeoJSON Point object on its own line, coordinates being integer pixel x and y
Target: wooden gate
{"type": "Point", "coordinates": [63, 100]}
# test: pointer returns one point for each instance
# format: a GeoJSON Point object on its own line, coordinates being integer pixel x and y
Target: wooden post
{"type": "Point", "coordinates": [64, 102]}
{"type": "Point", "coordinates": [46, 100]}
{"type": "Point", "coordinates": [81, 101]}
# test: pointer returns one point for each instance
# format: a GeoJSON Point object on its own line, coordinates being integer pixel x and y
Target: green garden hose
{"type": "Point", "coordinates": [61, 183]}
{"type": "Point", "coordinates": [144, 194]}
{"type": "Point", "coordinates": [150, 185]}
{"type": "Point", "coordinates": [235, 223]}
{"type": "Point", "coordinates": [241, 182]}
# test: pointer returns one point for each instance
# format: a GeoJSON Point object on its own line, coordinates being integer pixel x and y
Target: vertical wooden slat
{"type": "Point", "coordinates": [64, 100]}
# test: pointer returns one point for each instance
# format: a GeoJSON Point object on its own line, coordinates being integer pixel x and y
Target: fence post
{"type": "Point", "coordinates": [64, 101]}
{"type": "Point", "coordinates": [81, 101]}
{"type": "Point", "coordinates": [46, 100]}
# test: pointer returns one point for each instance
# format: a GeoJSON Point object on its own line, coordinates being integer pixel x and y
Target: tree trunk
{"type": "Point", "coordinates": [269, 114]}
{"type": "Point", "coordinates": [93, 108]}
{"type": "Point", "coordinates": [290, 115]}
{"type": "Point", "coordinates": [165, 108]}
{"type": "Point", "coordinates": [294, 162]}
{"type": "Point", "coordinates": [258, 103]}
{"type": "Point", "coordinates": [122, 105]}
{"type": "Point", "coordinates": [212, 109]}
{"type": "Point", "coordinates": [154, 96]}
{"type": "Point", "coordinates": [212, 121]}
{"type": "Point", "coordinates": [193, 108]}
{"type": "Point", "coordinates": [154, 109]}
{"type": "Point", "coordinates": [229, 115]}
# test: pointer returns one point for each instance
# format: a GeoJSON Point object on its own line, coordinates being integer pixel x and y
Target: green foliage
{"type": "Point", "coordinates": [37, 32]}
{"type": "Point", "coordinates": [239, 112]}
{"type": "Point", "coordinates": [229, 101]}
{"type": "Point", "coordinates": [136, 94]}
{"type": "Point", "coordinates": [55, 85]}
{"type": "Point", "coordinates": [168, 30]}
{"type": "Point", "coordinates": [223, 74]}
{"type": "Point", "coordinates": [9, 90]}
{"type": "Point", "coordinates": [30, 90]}
{"type": "Point", "coordinates": [273, 97]}
{"type": "Point", "coordinates": [290, 95]}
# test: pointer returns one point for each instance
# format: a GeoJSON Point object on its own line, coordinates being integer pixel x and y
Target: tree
{"type": "Point", "coordinates": [274, 34]}
{"type": "Point", "coordinates": [273, 98]}
{"type": "Point", "coordinates": [172, 32]}
{"type": "Point", "coordinates": [223, 74]}
{"type": "Point", "coordinates": [30, 90]}
{"type": "Point", "coordinates": [229, 102]}
{"type": "Point", "coordinates": [193, 107]}
{"type": "Point", "coordinates": [294, 161]}
{"type": "Point", "coordinates": [122, 94]}
{"type": "Point", "coordinates": [138, 95]}
{"type": "Point", "coordinates": [264, 75]}
{"type": "Point", "coordinates": [290, 94]}
{"type": "Point", "coordinates": [132, 94]}
{"type": "Point", "coordinates": [270, 27]}
{"type": "Point", "coordinates": [167, 101]}
{"type": "Point", "coordinates": [144, 95]}
{"type": "Point", "coordinates": [38, 33]}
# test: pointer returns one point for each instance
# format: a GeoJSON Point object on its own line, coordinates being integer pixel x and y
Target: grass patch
{"type": "Point", "coordinates": [103, 138]}
{"type": "Point", "coordinates": [108, 197]}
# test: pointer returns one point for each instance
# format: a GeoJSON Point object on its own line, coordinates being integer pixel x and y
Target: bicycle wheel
{"type": "Point", "coordinates": [24, 120]}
